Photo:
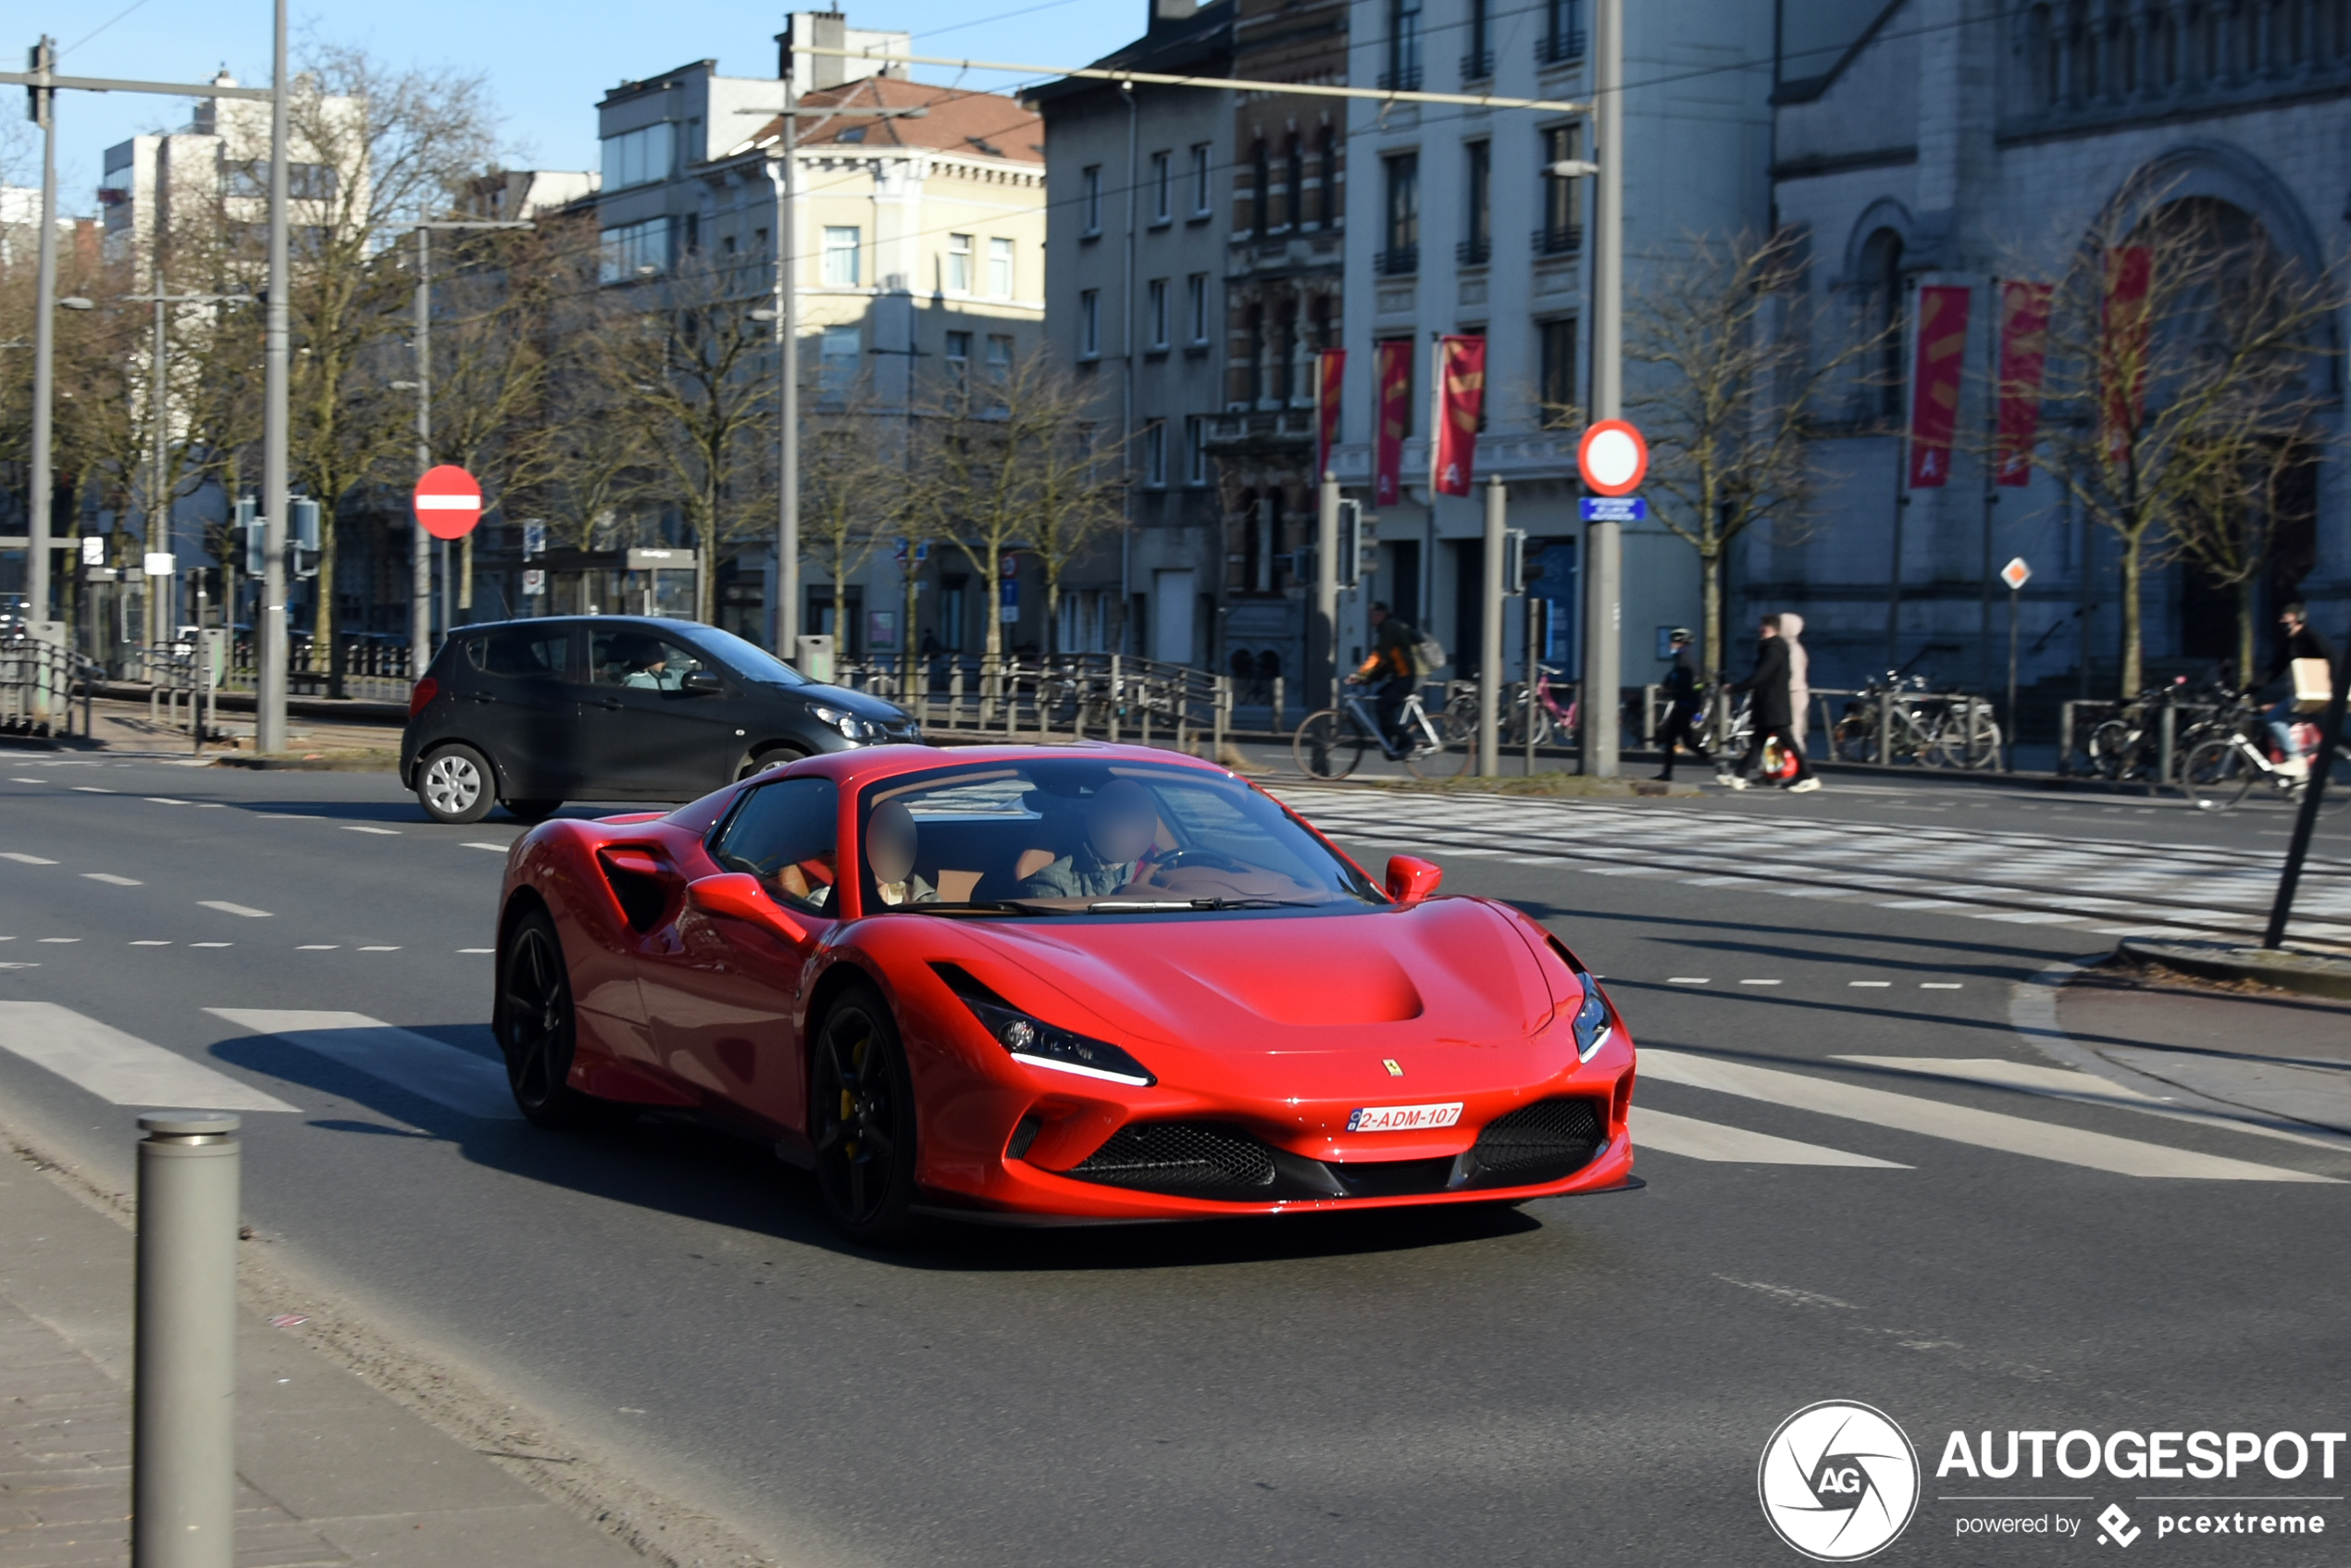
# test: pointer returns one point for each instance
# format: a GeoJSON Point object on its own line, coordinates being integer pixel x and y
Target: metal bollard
{"type": "Point", "coordinates": [183, 1455]}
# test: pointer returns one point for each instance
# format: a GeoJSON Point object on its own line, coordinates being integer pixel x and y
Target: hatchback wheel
{"type": "Point", "coordinates": [454, 786]}
{"type": "Point", "coordinates": [760, 762]}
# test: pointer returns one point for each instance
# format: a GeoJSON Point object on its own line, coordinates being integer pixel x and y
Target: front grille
{"type": "Point", "coordinates": [1394, 1178]}
{"type": "Point", "coordinates": [1187, 1159]}
{"type": "Point", "coordinates": [1545, 1141]}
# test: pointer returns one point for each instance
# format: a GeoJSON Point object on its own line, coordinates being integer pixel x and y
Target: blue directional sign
{"type": "Point", "coordinates": [1614, 509]}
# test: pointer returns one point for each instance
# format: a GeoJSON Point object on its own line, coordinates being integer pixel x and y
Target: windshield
{"type": "Point", "coordinates": [1080, 837]}
{"type": "Point", "coordinates": [746, 659]}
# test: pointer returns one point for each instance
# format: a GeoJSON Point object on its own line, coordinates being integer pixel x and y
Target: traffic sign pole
{"type": "Point", "coordinates": [2015, 573]}
{"type": "Point", "coordinates": [1603, 548]}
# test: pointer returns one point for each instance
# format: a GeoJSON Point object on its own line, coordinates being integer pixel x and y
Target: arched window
{"type": "Point", "coordinates": [1881, 281]}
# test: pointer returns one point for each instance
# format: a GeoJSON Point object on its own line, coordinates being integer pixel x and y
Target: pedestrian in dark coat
{"type": "Point", "coordinates": [1774, 709]}
{"type": "Point", "coordinates": [1685, 697]}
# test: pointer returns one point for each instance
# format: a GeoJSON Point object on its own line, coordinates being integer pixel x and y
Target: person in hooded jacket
{"type": "Point", "coordinates": [1800, 675]}
{"type": "Point", "coordinates": [1774, 712]}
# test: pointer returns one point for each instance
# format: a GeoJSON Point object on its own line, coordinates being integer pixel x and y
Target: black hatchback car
{"type": "Point", "coordinates": [534, 713]}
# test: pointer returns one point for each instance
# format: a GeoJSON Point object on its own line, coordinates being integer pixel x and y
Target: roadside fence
{"type": "Point", "coordinates": [1086, 696]}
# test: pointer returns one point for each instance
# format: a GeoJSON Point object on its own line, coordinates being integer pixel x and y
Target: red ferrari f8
{"type": "Point", "coordinates": [1055, 983]}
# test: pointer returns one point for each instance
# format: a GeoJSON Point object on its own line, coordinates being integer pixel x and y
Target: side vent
{"type": "Point", "coordinates": [640, 883]}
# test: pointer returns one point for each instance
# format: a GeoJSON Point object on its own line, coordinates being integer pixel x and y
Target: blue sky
{"type": "Point", "coordinates": [547, 63]}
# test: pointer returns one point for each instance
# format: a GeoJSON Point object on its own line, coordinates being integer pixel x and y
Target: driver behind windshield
{"type": "Point", "coordinates": [889, 852]}
{"type": "Point", "coordinates": [1120, 824]}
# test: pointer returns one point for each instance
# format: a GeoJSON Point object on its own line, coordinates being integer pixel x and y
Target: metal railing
{"type": "Point", "coordinates": [371, 668]}
{"type": "Point", "coordinates": [1559, 239]}
{"type": "Point", "coordinates": [1083, 696]}
{"type": "Point", "coordinates": [39, 680]}
{"type": "Point", "coordinates": [2145, 739]}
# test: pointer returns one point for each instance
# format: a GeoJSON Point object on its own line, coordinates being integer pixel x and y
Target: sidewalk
{"type": "Point", "coordinates": [329, 1470]}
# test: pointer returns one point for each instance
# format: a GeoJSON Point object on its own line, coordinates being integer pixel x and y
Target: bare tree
{"type": "Point", "coordinates": [2184, 346]}
{"type": "Point", "coordinates": [855, 491]}
{"type": "Point", "coordinates": [1729, 412]}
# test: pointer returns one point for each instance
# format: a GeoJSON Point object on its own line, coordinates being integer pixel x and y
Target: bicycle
{"type": "Point", "coordinates": [2217, 773]}
{"type": "Point", "coordinates": [1941, 731]}
{"type": "Point", "coordinates": [1544, 714]}
{"type": "Point", "coordinates": [2123, 747]}
{"type": "Point", "coordinates": [1332, 743]}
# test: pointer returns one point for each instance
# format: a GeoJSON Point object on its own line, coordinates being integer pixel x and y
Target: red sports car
{"type": "Point", "coordinates": [1055, 983]}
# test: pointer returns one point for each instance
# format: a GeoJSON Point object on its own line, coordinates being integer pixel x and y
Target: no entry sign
{"type": "Point", "coordinates": [1613, 457]}
{"type": "Point", "coordinates": [448, 501]}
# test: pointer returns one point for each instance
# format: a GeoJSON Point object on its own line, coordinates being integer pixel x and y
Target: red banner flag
{"type": "Point", "coordinates": [2024, 352]}
{"type": "Point", "coordinates": [1460, 404]}
{"type": "Point", "coordinates": [1392, 359]}
{"type": "Point", "coordinates": [1935, 396]}
{"type": "Point", "coordinates": [2122, 347]}
{"type": "Point", "coordinates": [1330, 366]}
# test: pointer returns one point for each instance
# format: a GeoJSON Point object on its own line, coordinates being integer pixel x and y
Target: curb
{"type": "Point", "coordinates": [2311, 974]}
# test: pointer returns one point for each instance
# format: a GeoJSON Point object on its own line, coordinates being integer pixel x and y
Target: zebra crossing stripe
{"type": "Point", "coordinates": [120, 1068]}
{"type": "Point", "coordinates": [1663, 1132]}
{"type": "Point", "coordinates": [471, 1084]}
{"type": "Point", "coordinates": [1959, 1124]}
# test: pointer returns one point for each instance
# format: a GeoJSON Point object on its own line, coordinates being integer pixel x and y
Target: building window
{"type": "Point", "coordinates": [1155, 313]}
{"type": "Point", "coordinates": [1254, 388]}
{"type": "Point", "coordinates": [1555, 393]}
{"type": "Point", "coordinates": [639, 156]}
{"type": "Point", "coordinates": [839, 351]}
{"type": "Point", "coordinates": [1155, 454]}
{"type": "Point", "coordinates": [1562, 37]}
{"type": "Point", "coordinates": [1195, 451]}
{"type": "Point", "coordinates": [1327, 156]}
{"type": "Point", "coordinates": [1196, 306]}
{"type": "Point", "coordinates": [1261, 188]}
{"type": "Point", "coordinates": [1562, 230]}
{"type": "Point", "coordinates": [1000, 355]}
{"type": "Point", "coordinates": [1478, 63]}
{"type": "Point", "coordinates": [959, 264]}
{"type": "Point", "coordinates": [1163, 187]}
{"type": "Point", "coordinates": [1412, 379]}
{"type": "Point", "coordinates": [999, 269]}
{"type": "Point", "coordinates": [841, 256]}
{"type": "Point", "coordinates": [1477, 226]}
{"type": "Point", "coordinates": [1403, 72]}
{"type": "Point", "coordinates": [958, 356]}
{"type": "Point", "coordinates": [1089, 324]}
{"type": "Point", "coordinates": [1089, 199]}
{"type": "Point", "coordinates": [1294, 181]}
{"type": "Point", "coordinates": [634, 250]}
{"type": "Point", "coordinates": [1203, 180]}
{"type": "Point", "coordinates": [1882, 275]}
{"type": "Point", "coordinates": [1401, 255]}
{"type": "Point", "coordinates": [1286, 353]}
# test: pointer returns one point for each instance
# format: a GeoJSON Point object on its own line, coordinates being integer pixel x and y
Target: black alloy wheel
{"type": "Point", "coordinates": [861, 1119]}
{"type": "Point", "coordinates": [537, 1028]}
{"type": "Point", "coordinates": [532, 812]}
{"type": "Point", "coordinates": [756, 762]}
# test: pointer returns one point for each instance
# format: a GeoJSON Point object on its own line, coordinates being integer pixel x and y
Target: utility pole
{"type": "Point", "coordinates": [44, 103]}
{"type": "Point", "coordinates": [269, 705]}
{"type": "Point", "coordinates": [1489, 634]}
{"type": "Point", "coordinates": [162, 486]}
{"type": "Point", "coordinates": [1603, 548]}
{"type": "Point", "coordinates": [1326, 581]}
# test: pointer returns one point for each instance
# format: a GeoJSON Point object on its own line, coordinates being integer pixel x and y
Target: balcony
{"type": "Point", "coordinates": [1266, 431]}
{"type": "Point", "coordinates": [1399, 261]}
{"type": "Point", "coordinates": [1473, 253]}
{"type": "Point", "coordinates": [1561, 48]}
{"type": "Point", "coordinates": [1401, 79]}
{"type": "Point", "coordinates": [1559, 239]}
{"type": "Point", "coordinates": [1477, 65]}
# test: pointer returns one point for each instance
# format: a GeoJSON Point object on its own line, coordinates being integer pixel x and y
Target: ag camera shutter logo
{"type": "Point", "coordinates": [1839, 1481]}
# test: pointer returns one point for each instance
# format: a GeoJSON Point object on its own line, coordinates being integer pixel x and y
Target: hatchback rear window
{"type": "Point", "coordinates": [520, 652]}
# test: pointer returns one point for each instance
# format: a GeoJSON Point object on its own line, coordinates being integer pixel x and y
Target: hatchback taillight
{"type": "Point", "coordinates": [420, 696]}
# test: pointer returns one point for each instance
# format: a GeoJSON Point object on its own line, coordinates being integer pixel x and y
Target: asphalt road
{"type": "Point", "coordinates": [1945, 1237]}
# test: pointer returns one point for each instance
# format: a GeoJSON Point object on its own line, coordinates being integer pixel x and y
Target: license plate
{"type": "Point", "coordinates": [1403, 1118]}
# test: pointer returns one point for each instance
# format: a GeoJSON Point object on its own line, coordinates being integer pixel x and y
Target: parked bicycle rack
{"type": "Point", "coordinates": [38, 681]}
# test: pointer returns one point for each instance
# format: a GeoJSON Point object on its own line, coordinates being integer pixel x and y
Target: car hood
{"type": "Point", "coordinates": [863, 704]}
{"type": "Point", "coordinates": [1449, 971]}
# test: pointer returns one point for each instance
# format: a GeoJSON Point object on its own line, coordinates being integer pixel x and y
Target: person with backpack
{"type": "Point", "coordinates": [1395, 664]}
{"type": "Point", "coordinates": [1774, 712]}
{"type": "Point", "coordinates": [1685, 696]}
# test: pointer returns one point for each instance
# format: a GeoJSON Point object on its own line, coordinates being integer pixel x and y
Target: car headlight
{"type": "Point", "coordinates": [1592, 1028]}
{"type": "Point", "coordinates": [850, 724]}
{"type": "Point", "coordinates": [1039, 1044]}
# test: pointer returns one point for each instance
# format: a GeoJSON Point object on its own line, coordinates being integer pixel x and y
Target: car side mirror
{"type": "Point", "coordinates": [701, 683]}
{"type": "Point", "coordinates": [1409, 879]}
{"type": "Point", "coordinates": [736, 895]}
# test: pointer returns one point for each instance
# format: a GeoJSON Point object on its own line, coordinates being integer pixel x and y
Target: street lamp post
{"type": "Point", "coordinates": [44, 62]}
{"type": "Point", "coordinates": [1603, 547]}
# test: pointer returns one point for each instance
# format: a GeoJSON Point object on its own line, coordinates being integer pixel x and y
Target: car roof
{"type": "Point", "coordinates": [866, 764]}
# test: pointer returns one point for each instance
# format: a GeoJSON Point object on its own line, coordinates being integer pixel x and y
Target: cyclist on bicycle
{"type": "Point", "coordinates": [2302, 641]}
{"type": "Point", "coordinates": [1396, 665]}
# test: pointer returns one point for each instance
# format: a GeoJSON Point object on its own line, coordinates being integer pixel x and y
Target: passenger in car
{"type": "Point", "coordinates": [1121, 822]}
{"type": "Point", "coordinates": [891, 842]}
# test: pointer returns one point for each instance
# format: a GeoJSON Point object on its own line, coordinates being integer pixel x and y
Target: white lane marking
{"type": "Point", "coordinates": [355, 828]}
{"type": "Point", "coordinates": [20, 966]}
{"type": "Point", "coordinates": [1759, 982]}
{"type": "Point", "coordinates": [60, 940]}
{"type": "Point", "coordinates": [25, 859]}
{"type": "Point", "coordinates": [111, 879]}
{"type": "Point", "coordinates": [212, 944]}
{"type": "Point", "coordinates": [1959, 1124]}
{"type": "Point", "coordinates": [1687, 981]}
{"type": "Point", "coordinates": [380, 950]}
{"type": "Point", "coordinates": [318, 947]}
{"type": "Point", "coordinates": [149, 943]}
{"type": "Point", "coordinates": [476, 950]}
{"type": "Point", "coordinates": [27, 781]}
{"type": "Point", "coordinates": [1919, 903]}
{"type": "Point", "coordinates": [212, 805]}
{"type": "Point", "coordinates": [473, 1085]}
{"type": "Point", "coordinates": [165, 801]}
{"type": "Point", "coordinates": [227, 908]}
{"type": "Point", "coordinates": [293, 816]}
{"type": "Point", "coordinates": [95, 790]}
{"type": "Point", "coordinates": [471, 845]}
{"type": "Point", "coordinates": [2025, 916]}
{"type": "Point", "coordinates": [1658, 1131]}
{"type": "Point", "coordinates": [2057, 1083]}
{"type": "Point", "coordinates": [1939, 984]}
{"type": "Point", "coordinates": [1870, 984]}
{"type": "Point", "coordinates": [118, 1067]}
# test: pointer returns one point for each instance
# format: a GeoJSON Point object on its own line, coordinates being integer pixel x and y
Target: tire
{"type": "Point", "coordinates": [1854, 740]}
{"type": "Point", "coordinates": [2216, 776]}
{"type": "Point", "coordinates": [533, 812]}
{"type": "Point", "coordinates": [2109, 748]}
{"type": "Point", "coordinates": [1327, 745]}
{"type": "Point", "coordinates": [1954, 746]}
{"type": "Point", "coordinates": [1457, 749]}
{"type": "Point", "coordinates": [537, 1029]}
{"type": "Point", "coordinates": [455, 786]}
{"type": "Point", "coordinates": [860, 1116]}
{"type": "Point", "coordinates": [761, 761]}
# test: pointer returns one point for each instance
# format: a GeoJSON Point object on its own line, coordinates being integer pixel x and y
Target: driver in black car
{"type": "Point", "coordinates": [1121, 823]}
